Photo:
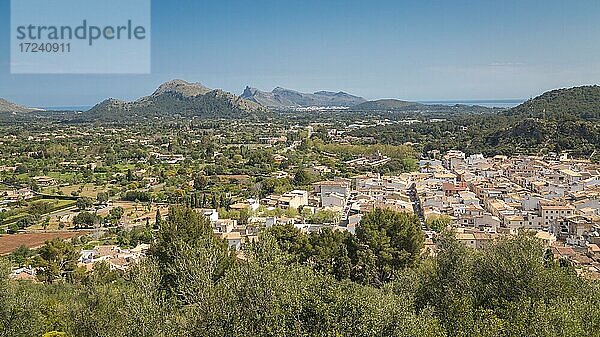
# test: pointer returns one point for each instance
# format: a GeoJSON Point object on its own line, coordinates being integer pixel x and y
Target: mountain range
{"type": "Point", "coordinates": [176, 97]}
{"type": "Point", "coordinates": [281, 98]}
{"type": "Point", "coordinates": [181, 98]}
{"type": "Point", "coordinates": [185, 99]}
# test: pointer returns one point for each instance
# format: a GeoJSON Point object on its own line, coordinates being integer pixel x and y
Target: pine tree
{"type": "Point", "coordinates": [158, 220]}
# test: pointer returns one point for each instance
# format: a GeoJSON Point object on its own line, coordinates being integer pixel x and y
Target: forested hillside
{"type": "Point", "coordinates": [565, 120]}
{"type": "Point", "coordinates": [563, 104]}
{"type": "Point", "coordinates": [174, 98]}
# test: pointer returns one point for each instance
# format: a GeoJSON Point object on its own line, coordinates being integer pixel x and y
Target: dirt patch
{"type": "Point", "coordinates": [8, 243]}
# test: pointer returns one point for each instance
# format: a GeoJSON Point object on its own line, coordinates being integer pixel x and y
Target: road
{"type": "Point", "coordinates": [412, 193]}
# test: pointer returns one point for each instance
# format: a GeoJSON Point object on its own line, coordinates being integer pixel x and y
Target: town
{"type": "Point", "coordinates": [300, 168]}
{"type": "Point", "coordinates": [311, 176]}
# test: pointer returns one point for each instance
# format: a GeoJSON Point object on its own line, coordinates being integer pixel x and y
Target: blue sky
{"type": "Point", "coordinates": [414, 50]}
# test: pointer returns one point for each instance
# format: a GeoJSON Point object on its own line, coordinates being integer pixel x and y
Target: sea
{"type": "Point", "coordinates": [67, 108]}
{"type": "Point", "coordinates": [503, 103]}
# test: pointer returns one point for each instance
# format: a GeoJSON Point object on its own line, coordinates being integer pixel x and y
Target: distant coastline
{"type": "Point", "coordinates": [500, 103]}
{"type": "Point", "coordinates": [67, 108]}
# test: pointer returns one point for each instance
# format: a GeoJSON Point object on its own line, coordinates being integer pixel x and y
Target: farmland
{"type": "Point", "coordinates": [9, 243]}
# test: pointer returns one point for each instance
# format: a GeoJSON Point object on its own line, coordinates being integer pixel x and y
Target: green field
{"type": "Point", "coordinates": [54, 205]}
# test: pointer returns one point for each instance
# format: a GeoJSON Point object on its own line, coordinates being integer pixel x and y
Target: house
{"type": "Point", "coordinates": [570, 176]}
{"type": "Point", "coordinates": [482, 239]}
{"type": "Point", "coordinates": [44, 181]}
{"type": "Point", "coordinates": [250, 204]}
{"type": "Point", "coordinates": [169, 158]}
{"type": "Point", "coordinates": [210, 213]}
{"type": "Point", "coordinates": [550, 213]}
{"type": "Point", "coordinates": [333, 200]}
{"type": "Point", "coordinates": [445, 177]}
{"type": "Point", "coordinates": [234, 240]}
{"type": "Point", "coordinates": [87, 255]}
{"type": "Point", "coordinates": [19, 194]}
{"type": "Point", "coordinates": [23, 274]}
{"type": "Point", "coordinates": [340, 186]}
{"type": "Point", "coordinates": [451, 189]}
{"type": "Point", "coordinates": [106, 250]}
{"type": "Point", "coordinates": [574, 226]}
{"type": "Point", "coordinates": [593, 249]}
{"type": "Point", "coordinates": [475, 239]}
{"type": "Point", "coordinates": [325, 190]}
{"type": "Point", "coordinates": [116, 257]}
{"type": "Point", "coordinates": [294, 199]}
{"type": "Point", "coordinates": [514, 221]}
{"type": "Point", "coordinates": [273, 221]}
{"type": "Point", "coordinates": [547, 238]}
{"type": "Point", "coordinates": [118, 263]}
{"type": "Point", "coordinates": [224, 225]}
{"type": "Point", "coordinates": [468, 239]}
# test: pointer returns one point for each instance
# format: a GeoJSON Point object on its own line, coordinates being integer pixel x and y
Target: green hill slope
{"type": "Point", "coordinates": [384, 105]}
{"type": "Point", "coordinates": [175, 98]}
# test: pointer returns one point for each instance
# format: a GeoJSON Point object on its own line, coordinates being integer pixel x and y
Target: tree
{"type": "Point", "coordinates": [134, 237]}
{"type": "Point", "coordinates": [189, 255]}
{"type": "Point", "coordinates": [449, 286]}
{"type": "Point", "coordinates": [20, 255]}
{"type": "Point", "coordinates": [137, 196]}
{"type": "Point", "coordinates": [214, 202]}
{"type": "Point", "coordinates": [56, 260]}
{"type": "Point", "coordinates": [24, 222]}
{"type": "Point", "coordinates": [200, 182]}
{"type": "Point", "coordinates": [86, 219]}
{"type": "Point", "coordinates": [329, 252]}
{"type": "Point", "coordinates": [102, 197]}
{"type": "Point", "coordinates": [365, 271]}
{"type": "Point", "coordinates": [22, 168]}
{"type": "Point", "coordinates": [512, 269]}
{"type": "Point", "coordinates": [157, 219]}
{"type": "Point", "coordinates": [325, 216]}
{"type": "Point", "coordinates": [84, 203]}
{"type": "Point", "coordinates": [39, 208]}
{"type": "Point", "coordinates": [116, 214]}
{"type": "Point", "coordinates": [302, 178]}
{"type": "Point", "coordinates": [291, 240]}
{"type": "Point", "coordinates": [438, 222]}
{"type": "Point", "coordinates": [129, 176]}
{"type": "Point", "coordinates": [394, 238]}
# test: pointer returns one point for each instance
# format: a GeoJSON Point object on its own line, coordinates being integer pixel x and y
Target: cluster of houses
{"type": "Point", "coordinates": [554, 196]}
{"type": "Point", "coordinates": [117, 258]}
{"type": "Point", "coordinates": [9, 196]}
{"type": "Point", "coordinates": [372, 160]}
{"type": "Point", "coordinates": [348, 198]}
